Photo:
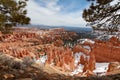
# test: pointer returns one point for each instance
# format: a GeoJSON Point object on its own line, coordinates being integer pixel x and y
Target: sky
{"type": "Point", "coordinates": [57, 12]}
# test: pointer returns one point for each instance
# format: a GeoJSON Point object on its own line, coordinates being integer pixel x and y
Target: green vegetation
{"type": "Point", "coordinates": [103, 15]}
{"type": "Point", "coordinates": [12, 13]}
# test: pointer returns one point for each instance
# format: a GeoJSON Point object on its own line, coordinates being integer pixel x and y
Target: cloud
{"type": "Point", "coordinates": [51, 14]}
{"type": "Point", "coordinates": [52, 5]}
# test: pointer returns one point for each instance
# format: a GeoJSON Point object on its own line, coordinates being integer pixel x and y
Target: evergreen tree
{"type": "Point", "coordinates": [12, 13]}
{"type": "Point", "coordinates": [103, 14]}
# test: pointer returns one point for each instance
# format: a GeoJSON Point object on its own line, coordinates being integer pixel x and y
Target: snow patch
{"type": "Point", "coordinates": [77, 57]}
{"type": "Point", "coordinates": [78, 70]}
{"type": "Point", "coordinates": [87, 47]}
{"type": "Point", "coordinates": [82, 41]}
{"type": "Point", "coordinates": [42, 59]}
{"type": "Point", "coordinates": [101, 67]}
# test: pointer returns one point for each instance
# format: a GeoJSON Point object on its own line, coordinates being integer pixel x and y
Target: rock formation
{"type": "Point", "coordinates": [35, 44]}
{"type": "Point", "coordinates": [79, 48]}
{"type": "Point", "coordinates": [107, 51]}
{"type": "Point", "coordinates": [113, 66]}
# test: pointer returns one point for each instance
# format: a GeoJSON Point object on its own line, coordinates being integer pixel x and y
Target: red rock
{"type": "Point", "coordinates": [88, 73]}
{"type": "Point", "coordinates": [82, 60]}
{"type": "Point", "coordinates": [107, 51]}
{"type": "Point", "coordinates": [85, 67]}
{"type": "Point", "coordinates": [79, 48]}
{"type": "Point", "coordinates": [92, 62]}
{"type": "Point", "coordinates": [113, 66]}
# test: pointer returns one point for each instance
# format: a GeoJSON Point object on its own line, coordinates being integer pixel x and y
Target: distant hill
{"type": "Point", "coordinates": [68, 28]}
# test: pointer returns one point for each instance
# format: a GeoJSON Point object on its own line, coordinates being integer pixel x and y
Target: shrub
{"type": "Point", "coordinates": [27, 61]}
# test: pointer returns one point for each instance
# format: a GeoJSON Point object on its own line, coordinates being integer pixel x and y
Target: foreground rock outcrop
{"type": "Point", "coordinates": [33, 72]}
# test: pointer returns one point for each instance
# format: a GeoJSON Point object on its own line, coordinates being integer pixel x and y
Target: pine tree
{"type": "Point", "coordinates": [12, 13]}
{"type": "Point", "coordinates": [102, 14]}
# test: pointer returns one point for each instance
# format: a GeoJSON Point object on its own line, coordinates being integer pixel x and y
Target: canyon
{"type": "Point", "coordinates": [49, 49]}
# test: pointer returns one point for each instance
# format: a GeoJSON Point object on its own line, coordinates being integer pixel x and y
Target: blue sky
{"type": "Point", "coordinates": [67, 6]}
{"type": "Point", "coordinates": [57, 12]}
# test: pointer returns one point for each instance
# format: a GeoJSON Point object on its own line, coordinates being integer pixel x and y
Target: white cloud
{"type": "Point", "coordinates": [50, 15]}
{"type": "Point", "coordinates": [52, 5]}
